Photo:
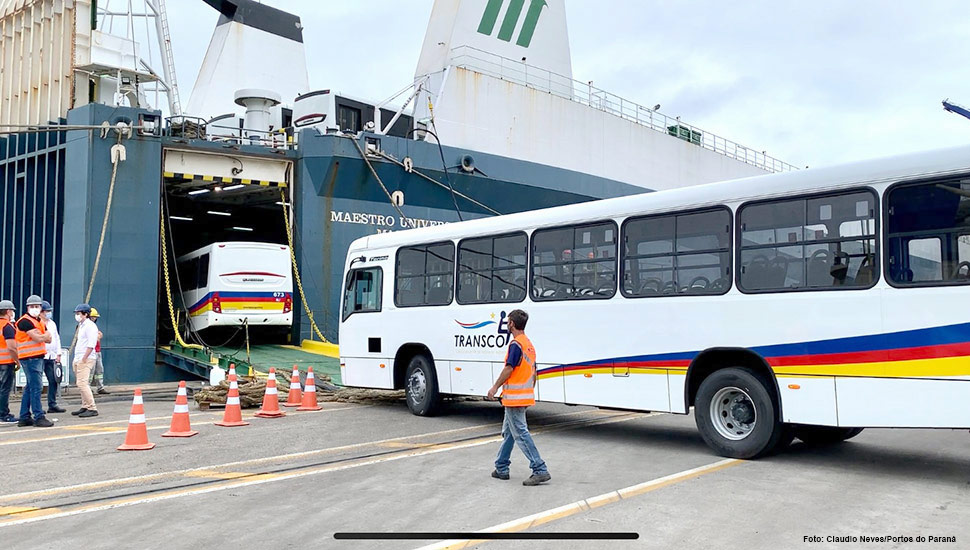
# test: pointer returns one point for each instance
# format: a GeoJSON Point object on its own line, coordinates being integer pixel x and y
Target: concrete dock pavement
{"type": "Point", "coordinates": [293, 482]}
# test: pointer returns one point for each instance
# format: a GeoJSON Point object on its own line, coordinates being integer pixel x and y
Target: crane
{"type": "Point", "coordinates": [953, 108]}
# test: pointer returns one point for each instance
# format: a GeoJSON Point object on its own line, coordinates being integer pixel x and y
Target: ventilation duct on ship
{"type": "Point", "coordinates": [258, 117]}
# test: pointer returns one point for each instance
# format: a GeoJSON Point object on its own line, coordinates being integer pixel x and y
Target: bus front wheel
{"type": "Point", "coordinates": [825, 435]}
{"type": "Point", "coordinates": [421, 387]}
{"type": "Point", "coordinates": [735, 414]}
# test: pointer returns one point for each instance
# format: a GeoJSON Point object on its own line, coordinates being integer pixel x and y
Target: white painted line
{"type": "Point", "coordinates": [534, 520]}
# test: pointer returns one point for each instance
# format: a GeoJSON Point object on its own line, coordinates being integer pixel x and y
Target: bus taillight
{"type": "Point", "coordinates": [287, 303]}
{"type": "Point", "coordinates": [216, 304]}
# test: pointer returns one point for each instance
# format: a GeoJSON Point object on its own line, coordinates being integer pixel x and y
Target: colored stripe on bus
{"type": "Point", "coordinates": [237, 299]}
{"type": "Point", "coordinates": [936, 351]}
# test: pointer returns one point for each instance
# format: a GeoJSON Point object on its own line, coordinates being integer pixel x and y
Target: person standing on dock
{"type": "Point", "coordinates": [9, 362]}
{"type": "Point", "coordinates": [517, 381]}
{"type": "Point", "coordinates": [32, 339]}
{"type": "Point", "coordinates": [87, 340]}
{"type": "Point", "coordinates": [97, 376]}
{"type": "Point", "coordinates": [52, 359]}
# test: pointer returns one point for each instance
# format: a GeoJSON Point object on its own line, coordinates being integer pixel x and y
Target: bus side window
{"type": "Point", "coordinates": [425, 275]}
{"type": "Point", "coordinates": [202, 277]}
{"type": "Point", "coordinates": [362, 293]}
{"type": "Point", "coordinates": [575, 262]}
{"type": "Point", "coordinates": [817, 242]}
{"type": "Point", "coordinates": [928, 233]}
{"type": "Point", "coordinates": [188, 272]}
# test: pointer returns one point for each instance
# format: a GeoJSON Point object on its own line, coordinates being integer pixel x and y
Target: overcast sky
{"type": "Point", "coordinates": [812, 83]}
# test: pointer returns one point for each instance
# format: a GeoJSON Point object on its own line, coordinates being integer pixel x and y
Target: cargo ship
{"type": "Point", "coordinates": [492, 123]}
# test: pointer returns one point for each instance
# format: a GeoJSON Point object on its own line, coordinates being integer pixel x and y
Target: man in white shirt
{"type": "Point", "coordinates": [52, 360]}
{"type": "Point", "coordinates": [87, 340]}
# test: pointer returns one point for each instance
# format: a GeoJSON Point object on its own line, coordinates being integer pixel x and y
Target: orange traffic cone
{"type": "Point", "coordinates": [233, 415]}
{"type": "Point", "coordinates": [271, 400]}
{"type": "Point", "coordinates": [181, 426]}
{"type": "Point", "coordinates": [137, 437]}
{"type": "Point", "coordinates": [232, 369]}
{"type": "Point", "coordinates": [295, 397]}
{"type": "Point", "coordinates": [309, 394]}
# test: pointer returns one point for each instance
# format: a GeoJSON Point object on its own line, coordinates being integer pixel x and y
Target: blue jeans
{"type": "Point", "coordinates": [7, 376]}
{"type": "Point", "coordinates": [34, 369]}
{"type": "Point", "coordinates": [516, 430]}
{"type": "Point", "coordinates": [50, 371]}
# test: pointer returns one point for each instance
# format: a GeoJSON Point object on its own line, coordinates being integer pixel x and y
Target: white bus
{"type": "Point", "coordinates": [232, 283]}
{"type": "Point", "coordinates": [809, 304]}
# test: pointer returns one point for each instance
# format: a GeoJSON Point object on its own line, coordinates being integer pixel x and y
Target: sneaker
{"type": "Point", "coordinates": [25, 422]}
{"type": "Point", "coordinates": [497, 475]}
{"type": "Point", "coordinates": [9, 418]}
{"type": "Point", "coordinates": [88, 414]}
{"type": "Point", "coordinates": [78, 412]}
{"type": "Point", "coordinates": [56, 409]}
{"type": "Point", "coordinates": [537, 479]}
{"type": "Point", "coordinates": [103, 391]}
{"type": "Point", "coordinates": [43, 422]}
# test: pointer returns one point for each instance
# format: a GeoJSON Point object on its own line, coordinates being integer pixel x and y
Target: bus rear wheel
{"type": "Point", "coordinates": [735, 414]}
{"type": "Point", "coordinates": [421, 387]}
{"type": "Point", "coordinates": [825, 435]}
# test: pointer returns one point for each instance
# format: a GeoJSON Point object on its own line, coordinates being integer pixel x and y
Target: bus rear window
{"type": "Point", "coordinates": [928, 233]}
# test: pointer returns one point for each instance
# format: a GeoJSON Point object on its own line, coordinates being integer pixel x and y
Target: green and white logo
{"type": "Point", "coordinates": [490, 17]}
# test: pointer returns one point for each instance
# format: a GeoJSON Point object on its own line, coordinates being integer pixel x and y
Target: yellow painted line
{"type": "Point", "coordinates": [95, 428]}
{"type": "Point", "coordinates": [8, 510]}
{"type": "Point", "coordinates": [169, 174]}
{"type": "Point", "coordinates": [92, 432]}
{"type": "Point", "coordinates": [402, 445]}
{"type": "Point", "coordinates": [585, 505]}
{"type": "Point", "coordinates": [218, 475]}
{"type": "Point", "coordinates": [259, 479]}
{"type": "Point", "coordinates": [207, 178]}
{"type": "Point", "coordinates": [104, 423]}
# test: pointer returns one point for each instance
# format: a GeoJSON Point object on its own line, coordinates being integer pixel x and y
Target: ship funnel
{"type": "Point", "coordinates": [258, 104]}
{"type": "Point", "coordinates": [466, 31]}
{"type": "Point", "coordinates": [253, 44]}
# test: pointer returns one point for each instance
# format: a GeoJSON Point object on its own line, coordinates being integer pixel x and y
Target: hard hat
{"type": "Point", "coordinates": [34, 300]}
{"type": "Point", "coordinates": [7, 304]}
{"type": "Point", "coordinates": [46, 306]}
{"type": "Point", "coordinates": [94, 313]}
{"type": "Point", "coordinates": [82, 308]}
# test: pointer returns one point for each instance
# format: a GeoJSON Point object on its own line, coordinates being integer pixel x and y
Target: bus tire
{"type": "Point", "coordinates": [736, 414]}
{"type": "Point", "coordinates": [825, 435]}
{"type": "Point", "coordinates": [421, 386]}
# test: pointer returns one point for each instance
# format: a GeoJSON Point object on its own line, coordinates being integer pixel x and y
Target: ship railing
{"type": "Point", "coordinates": [520, 72]}
{"type": "Point", "coordinates": [197, 128]}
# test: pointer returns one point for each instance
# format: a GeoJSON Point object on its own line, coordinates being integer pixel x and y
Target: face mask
{"type": "Point", "coordinates": [78, 317]}
{"type": "Point", "coordinates": [33, 311]}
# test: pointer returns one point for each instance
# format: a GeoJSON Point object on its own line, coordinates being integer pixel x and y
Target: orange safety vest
{"type": "Point", "coordinates": [6, 354]}
{"type": "Point", "coordinates": [26, 347]}
{"type": "Point", "coordinates": [519, 389]}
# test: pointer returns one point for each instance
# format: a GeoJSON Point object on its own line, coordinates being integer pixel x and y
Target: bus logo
{"type": "Point", "coordinates": [484, 340]}
{"type": "Point", "coordinates": [472, 326]}
{"type": "Point", "coordinates": [490, 17]}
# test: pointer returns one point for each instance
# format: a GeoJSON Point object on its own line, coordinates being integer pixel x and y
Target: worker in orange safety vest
{"type": "Point", "coordinates": [517, 382]}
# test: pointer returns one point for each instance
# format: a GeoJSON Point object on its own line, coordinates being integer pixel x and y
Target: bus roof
{"type": "Point", "coordinates": [938, 162]}
{"type": "Point", "coordinates": [232, 244]}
